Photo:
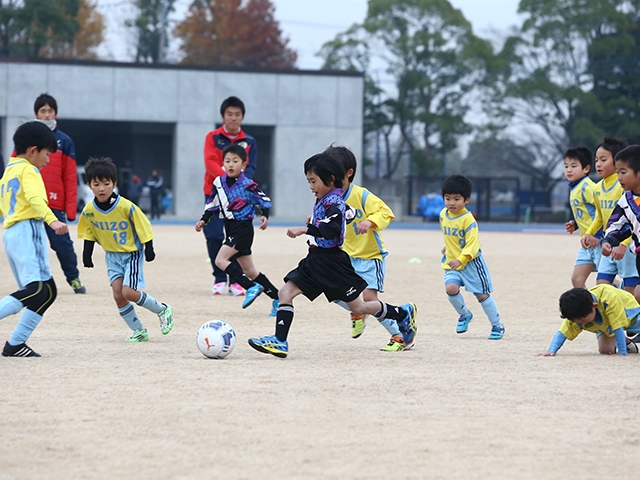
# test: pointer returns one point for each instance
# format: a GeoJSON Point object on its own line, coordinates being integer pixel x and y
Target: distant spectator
{"type": "Point", "coordinates": [429, 207]}
{"type": "Point", "coordinates": [155, 182]}
{"type": "Point", "coordinates": [135, 188]}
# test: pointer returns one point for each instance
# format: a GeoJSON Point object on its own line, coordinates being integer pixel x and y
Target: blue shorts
{"type": "Point", "coordinates": [127, 265]}
{"type": "Point", "coordinates": [372, 271]}
{"type": "Point", "coordinates": [27, 249]}
{"type": "Point", "coordinates": [589, 256]}
{"type": "Point", "coordinates": [625, 268]}
{"type": "Point", "coordinates": [474, 277]}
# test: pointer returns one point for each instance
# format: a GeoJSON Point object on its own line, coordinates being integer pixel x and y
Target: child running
{"type": "Point", "coordinates": [327, 268]}
{"type": "Point", "coordinates": [236, 198]}
{"type": "Point", "coordinates": [23, 203]}
{"type": "Point", "coordinates": [604, 310]}
{"type": "Point", "coordinates": [577, 165]}
{"type": "Point", "coordinates": [123, 231]}
{"type": "Point", "coordinates": [463, 262]}
{"type": "Point", "coordinates": [364, 244]}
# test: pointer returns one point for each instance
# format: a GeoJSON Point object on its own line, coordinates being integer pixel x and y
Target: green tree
{"type": "Point", "coordinates": [90, 35]}
{"type": "Point", "coordinates": [434, 61]}
{"type": "Point", "coordinates": [151, 29]}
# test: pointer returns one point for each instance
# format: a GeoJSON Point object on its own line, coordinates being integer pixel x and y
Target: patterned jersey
{"type": "Point", "coordinates": [625, 222]}
{"type": "Point", "coordinates": [236, 202]}
{"type": "Point", "coordinates": [608, 191]}
{"type": "Point", "coordinates": [215, 142]}
{"type": "Point", "coordinates": [122, 228]}
{"type": "Point", "coordinates": [583, 204]}
{"type": "Point", "coordinates": [22, 194]}
{"type": "Point", "coordinates": [327, 227]}
{"type": "Point", "coordinates": [366, 206]}
{"type": "Point", "coordinates": [616, 309]}
{"type": "Point", "coordinates": [460, 237]}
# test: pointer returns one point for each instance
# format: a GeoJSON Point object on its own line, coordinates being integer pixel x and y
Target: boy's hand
{"type": "Point", "coordinates": [86, 259]}
{"type": "Point", "coordinates": [149, 254]}
{"type": "Point", "coordinates": [264, 222]}
{"type": "Point", "coordinates": [443, 251]}
{"type": "Point", "coordinates": [199, 226]}
{"type": "Point", "coordinates": [308, 221]}
{"type": "Point", "coordinates": [570, 226]}
{"type": "Point", "coordinates": [606, 249]}
{"type": "Point", "coordinates": [296, 231]}
{"type": "Point", "coordinates": [589, 241]}
{"type": "Point", "coordinates": [546, 354]}
{"type": "Point", "coordinates": [364, 226]}
{"type": "Point", "coordinates": [455, 264]}
{"type": "Point", "coordinates": [618, 252]}
{"type": "Point", "coordinates": [59, 227]}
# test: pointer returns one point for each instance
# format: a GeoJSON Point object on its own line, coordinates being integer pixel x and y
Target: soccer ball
{"type": "Point", "coordinates": [216, 339]}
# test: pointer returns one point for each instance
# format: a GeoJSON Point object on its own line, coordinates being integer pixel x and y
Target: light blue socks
{"type": "Point", "coordinates": [9, 306]}
{"type": "Point", "coordinates": [29, 320]}
{"type": "Point", "coordinates": [491, 309]}
{"type": "Point", "coordinates": [457, 301]}
{"type": "Point", "coordinates": [128, 313]}
{"type": "Point", "coordinates": [150, 303]}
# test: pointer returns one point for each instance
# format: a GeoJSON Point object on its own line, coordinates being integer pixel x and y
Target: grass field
{"type": "Point", "coordinates": [455, 406]}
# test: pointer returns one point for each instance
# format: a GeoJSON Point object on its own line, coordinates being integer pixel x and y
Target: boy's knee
{"type": "Point", "coordinates": [38, 296]}
{"type": "Point", "coordinates": [482, 298]}
{"type": "Point", "coordinates": [452, 289]}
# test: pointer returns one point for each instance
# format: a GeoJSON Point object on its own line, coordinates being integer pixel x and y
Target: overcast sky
{"type": "Point", "coordinates": [308, 23]}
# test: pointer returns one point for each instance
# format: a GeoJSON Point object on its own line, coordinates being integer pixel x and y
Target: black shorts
{"type": "Point", "coordinates": [328, 271]}
{"type": "Point", "coordinates": [239, 235]}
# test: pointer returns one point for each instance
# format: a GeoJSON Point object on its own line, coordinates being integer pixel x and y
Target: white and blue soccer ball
{"type": "Point", "coordinates": [216, 339]}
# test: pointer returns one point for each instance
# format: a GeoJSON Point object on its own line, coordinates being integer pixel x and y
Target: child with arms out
{"type": "Point", "coordinates": [23, 204]}
{"type": "Point", "coordinates": [123, 231]}
{"type": "Point", "coordinates": [608, 191]}
{"type": "Point", "coordinates": [364, 245]}
{"type": "Point", "coordinates": [463, 262]}
{"type": "Point", "coordinates": [236, 198]}
{"type": "Point", "coordinates": [604, 310]}
{"type": "Point", "coordinates": [327, 268]}
{"type": "Point", "coordinates": [577, 165]}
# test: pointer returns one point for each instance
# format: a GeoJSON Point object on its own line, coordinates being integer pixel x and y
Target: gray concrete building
{"type": "Point", "coordinates": [147, 117]}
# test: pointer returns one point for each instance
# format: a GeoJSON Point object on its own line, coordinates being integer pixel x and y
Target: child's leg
{"type": "Point", "coordinates": [580, 275]}
{"type": "Point", "coordinates": [456, 299]}
{"type": "Point", "coordinates": [284, 316]}
{"type": "Point", "coordinates": [371, 295]}
{"type": "Point", "coordinates": [235, 271]}
{"type": "Point", "coordinates": [37, 297]}
{"type": "Point", "coordinates": [125, 308]}
{"type": "Point", "coordinates": [10, 305]}
{"type": "Point", "coordinates": [606, 345]}
{"type": "Point", "coordinates": [490, 309]}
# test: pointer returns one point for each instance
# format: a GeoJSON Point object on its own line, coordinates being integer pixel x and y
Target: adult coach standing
{"type": "Point", "coordinates": [232, 111]}
{"type": "Point", "coordinates": [61, 182]}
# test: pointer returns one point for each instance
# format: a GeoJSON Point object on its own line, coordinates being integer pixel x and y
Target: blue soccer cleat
{"type": "Point", "coordinates": [463, 323]}
{"type": "Point", "coordinates": [251, 294]}
{"type": "Point", "coordinates": [497, 332]}
{"type": "Point", "coordinates": [407, 325]}
{"type": "Point", "coordinates": [270, 344]}
{"type": "Point", "coordinates": [274, 308]}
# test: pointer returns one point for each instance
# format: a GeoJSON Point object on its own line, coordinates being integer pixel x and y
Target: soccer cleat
{"type": "Point", "coordinates": [251, 294]}
{"type": "Point", "coordinates": [21, 350]}
{"type": "Point", "coordinates": [632, 346]}
{"type": "Point", "coordinates": [463, 323]}
{"type": "Point", "coordinates": [236, 290]}
{"type": "Point", "coordinates": [358, 322]}
{"type": "Point", "coordinates": [396, 344]}
{"type": "Point", "coordinates": [407, 325]}
{"type": "Point", "coordinates": [497, 332]}
{"type": "Point", "coordinates": [270, 344]}
{"type": "Point", "coordinates": [77, 286]}
{"type": "Point", "coordinates": [274, 308]}
{"type": "Point", "coordinates": [138, 336]}
{"type": "Point", "coordinates": [218, 288]}
{"type": "Point", "coordinates": [166, 319]}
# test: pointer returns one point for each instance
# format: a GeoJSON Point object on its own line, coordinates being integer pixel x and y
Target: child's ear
{"type": "Point", "coordinates": [587, 169]}
{"type": "Point", "coordinates": [349, 172]}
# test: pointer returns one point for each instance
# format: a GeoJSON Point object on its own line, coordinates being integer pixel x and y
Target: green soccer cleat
{"type": "Point", "coordinates": [77, 286]}
{"type": "Point", "coordinates": [270, 344]}
{"type": "Point", "coordinates": [166, 319]}
{"type": "Point", "coordinates": [358, 322]}
{"type": "Point", "coordinates": [138, 336]}
{"type": "Point", "coordinates": [396, 344]}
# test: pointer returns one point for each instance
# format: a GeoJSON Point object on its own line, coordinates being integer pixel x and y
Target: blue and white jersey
{"type": "Point", "coordinates": [328, 225]}
{"type": "Point", "coordinates": [237, 201]}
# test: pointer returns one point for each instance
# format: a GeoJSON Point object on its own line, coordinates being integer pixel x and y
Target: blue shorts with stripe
{"type": "Point", "coordinates": [127, 265]}
{"type": "Point", "coordinates": [589, 256]}
{"type": "Point", "coordinates": [27, 249]}
{"type": "Point", "coordinates": [474, 277]}
{"type": "Point", "coordinates": [625, 268]}
{"type": "Point", "coordinates": [372, 271]}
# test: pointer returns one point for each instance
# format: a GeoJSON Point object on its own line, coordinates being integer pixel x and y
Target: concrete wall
{"type": "Point", "coordinates": [309, 110]}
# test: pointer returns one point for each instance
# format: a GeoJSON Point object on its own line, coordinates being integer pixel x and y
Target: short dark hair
{"type": "Point", "coordinates": [457, 184]}
{"type": "Point", "coordinates": [101, 168]}
{"type": "Point", "coordinates": [327, 168]}
{"type": "Point", "coordinates": [576, 303]}
{"type": "Point", "coordinates": [45, 99]}
{"type": "Point", "coordinates": [231, 102]}
{"type": "Point", "coordinates": [344, 156]}
{"type": "Point", "coordinates": [34, 134]}
{"type": "Point", "coordinates": [613, 144]}
{"type": "Point", "coordinates": [582, 154]}
{"type": "Point", "coordinates": [630, 156]}
{"type": "Point", "coordinates": [237, 149]}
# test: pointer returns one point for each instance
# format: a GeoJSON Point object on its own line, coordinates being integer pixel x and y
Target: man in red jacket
{"type": "Point", "coordinates": [61, 181]}
{"type": "Point", "coordinates": [232, 112]}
